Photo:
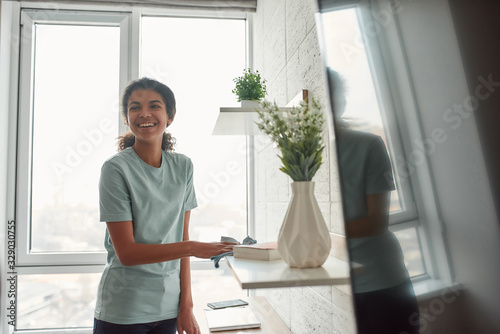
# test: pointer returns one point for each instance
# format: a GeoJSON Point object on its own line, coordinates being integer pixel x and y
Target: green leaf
{"type": "Point", "coordinates": [250, 86]}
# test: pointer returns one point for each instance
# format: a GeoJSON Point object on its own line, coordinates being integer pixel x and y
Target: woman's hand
{"type": "Point", "coordinates": [206, 250]}
{"type": "Point", "coordinates": [186, 322]}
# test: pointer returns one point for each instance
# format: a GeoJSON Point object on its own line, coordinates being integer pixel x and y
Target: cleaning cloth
{"type": "Point", "coordinates": [247, 241]}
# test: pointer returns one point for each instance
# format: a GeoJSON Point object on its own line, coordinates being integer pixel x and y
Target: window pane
{"type": "Point", "coordinates": [68, 300]}
{"type": "Point", "coordinates": [74, 129]}
{"type": "Point", "coordinates": [56, 301]}
{"type": "Point", "coordinates": [198, 59]}
{"type": "Point", "coordinates": [410, 244]}
{"type": "Point", "coordinates": [346, 54]}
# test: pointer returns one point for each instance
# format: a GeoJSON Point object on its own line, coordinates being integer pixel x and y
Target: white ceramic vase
{"type": "Point", "coordinates": [304, 239]}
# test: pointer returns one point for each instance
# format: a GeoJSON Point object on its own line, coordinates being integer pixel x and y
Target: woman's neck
{"type": "Point", "coordinates": [149, 153]}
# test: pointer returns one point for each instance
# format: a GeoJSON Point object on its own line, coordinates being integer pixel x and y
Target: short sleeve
{"type": "Point", "coordinates": [378, 175]}
{"type": "Point", "coordinates": [114, 195]}
{"type": "Point", "coordinates": [190, 195]}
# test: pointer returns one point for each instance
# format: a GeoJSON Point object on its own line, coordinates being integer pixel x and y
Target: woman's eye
{"type": "Point", "coordinates": [133, 108]}
{"type": "Point", "coordinates": [155, 106]}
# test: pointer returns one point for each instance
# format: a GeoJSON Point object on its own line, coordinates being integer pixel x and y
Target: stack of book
{"type": "Point", "coordinates": [265, 251]}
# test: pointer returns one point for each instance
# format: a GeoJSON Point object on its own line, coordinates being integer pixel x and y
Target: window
{"type": "Point", "coordinates": [67, 300]}
{"type": "Point", "coordinates": [56, 300]}
{"type": "Point", "coordinates": [64, 177]}
{"type": "Point", "coordinates": [74, 63]}
{"type": "Point", "coordinates": [212, 52]}
{"type": "Point", "coordinates": [351, 42]}
{"type": "Point", "coordinates": [68, 120]}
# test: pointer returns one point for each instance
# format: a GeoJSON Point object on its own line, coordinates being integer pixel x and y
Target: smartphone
{"type": "Point", "coordinates": [227, 303]}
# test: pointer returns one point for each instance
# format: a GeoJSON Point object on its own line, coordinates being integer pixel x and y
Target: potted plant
{"type": "Point", "coordinates": [304, 239]}
{"type": "Point", "coordinates": [249, 87]}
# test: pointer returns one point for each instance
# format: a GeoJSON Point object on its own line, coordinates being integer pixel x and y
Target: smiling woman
{"type": "Point", "coordinates": [146, 197]}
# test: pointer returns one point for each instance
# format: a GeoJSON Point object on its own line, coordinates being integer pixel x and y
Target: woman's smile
{"type": "Point", "coordinates": [146, 125]}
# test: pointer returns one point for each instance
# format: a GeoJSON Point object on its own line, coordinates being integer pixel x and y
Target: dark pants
{"type": "Point", "coordinates": [158, 327]}
{"type": "Point", "coordinates": [388, 311]}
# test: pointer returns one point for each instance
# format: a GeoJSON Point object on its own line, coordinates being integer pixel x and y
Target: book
{"type": "Point", "coordinates": [231, 318]}
{"type": "Point", "coordinates": [265, 251]}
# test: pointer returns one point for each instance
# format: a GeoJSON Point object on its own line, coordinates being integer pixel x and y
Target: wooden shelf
{"type": "Point", "coordinates": [252, 274]}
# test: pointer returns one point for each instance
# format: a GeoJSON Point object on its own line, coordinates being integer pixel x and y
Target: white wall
{"type": "Point", "coordinates": [286, 52]}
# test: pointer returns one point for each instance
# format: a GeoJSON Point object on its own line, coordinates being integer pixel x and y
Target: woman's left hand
{"type": "Point", "coordinates": [186, 322]}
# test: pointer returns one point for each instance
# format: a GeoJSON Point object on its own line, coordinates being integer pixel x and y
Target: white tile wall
{"type": "Point", "coordinates": [299, 22]}
{"type": "Point", "coordinates": [287, 54]}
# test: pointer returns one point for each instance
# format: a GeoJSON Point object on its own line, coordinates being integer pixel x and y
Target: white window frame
{"type": "Point", "coordinates": [29, 18]}
{"type": "Point", "coordinates": [196, 263]}
{"type": "Point", "coordinates": [128, 20]}
{"type": "Point", "coordinates": [391, 100]}
{"type": "Point", "coordinates": [388, 113]}
{"type": "Point", "coordinates": [429, 223]}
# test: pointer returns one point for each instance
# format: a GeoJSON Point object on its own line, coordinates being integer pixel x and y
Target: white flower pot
{"type": "Point", "coordinates": [304, 239]}
{"type": "Point", "coordinates": [250, 104]}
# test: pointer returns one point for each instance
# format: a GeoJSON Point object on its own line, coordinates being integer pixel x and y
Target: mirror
{"type": "Point", "coordinates": [402, 95]}
{"type": "Point", "coordinates": [383, 294]}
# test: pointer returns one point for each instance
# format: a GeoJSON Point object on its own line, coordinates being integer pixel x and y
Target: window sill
{"type": "Point", "coordinates": [432, 288]}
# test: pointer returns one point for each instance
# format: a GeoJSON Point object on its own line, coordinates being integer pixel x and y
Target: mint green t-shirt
{"type": "Point", "coordinates": [365, 169]}
{"type": "Point", "coordinates": [155, 200]}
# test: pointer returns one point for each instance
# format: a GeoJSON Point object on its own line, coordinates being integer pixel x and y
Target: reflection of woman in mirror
{"type": "Point", "coordinates": [384, 300]}
{"type": "Point", "coordinates": [146, 196]}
